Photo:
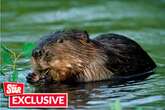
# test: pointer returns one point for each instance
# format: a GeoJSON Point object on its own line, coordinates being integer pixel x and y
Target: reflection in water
{"type": "Point", "coordinates": [94, 93]}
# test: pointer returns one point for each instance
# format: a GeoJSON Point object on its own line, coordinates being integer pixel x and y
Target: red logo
{"type": "Point", "coordinates": [17, 97]}
{"type": "Point", "coordinates": [39, 100]}
{"type": "Point", "coordinates": [12, 88]}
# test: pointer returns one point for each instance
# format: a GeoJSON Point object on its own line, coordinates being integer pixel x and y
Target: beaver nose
{"type": "Point", "coordinates": [36, 53]}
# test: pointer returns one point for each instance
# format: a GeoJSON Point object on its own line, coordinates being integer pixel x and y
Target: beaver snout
{"type": "Point", "coordinates": [37, 53]}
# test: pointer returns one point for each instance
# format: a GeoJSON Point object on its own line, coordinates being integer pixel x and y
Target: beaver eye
{"type": "Point", "coordinates": [48, 56]}
{"type": "Point", "coordinates": [60, 41]}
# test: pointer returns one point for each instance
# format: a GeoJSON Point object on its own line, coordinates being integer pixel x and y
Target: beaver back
{"type": "Point", "coordinates": [125, 56]}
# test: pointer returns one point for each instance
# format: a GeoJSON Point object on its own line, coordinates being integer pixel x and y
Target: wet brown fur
{"type": "Point", "coordinates": [71, 56]}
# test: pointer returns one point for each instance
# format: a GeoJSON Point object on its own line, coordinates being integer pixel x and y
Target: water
{"type": "Point", "coordinates": [143, 21]}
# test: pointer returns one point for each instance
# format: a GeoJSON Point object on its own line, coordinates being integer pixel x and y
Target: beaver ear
{"type": "Point", "coordinates": [83, 36]}
{"type": "Point", "coordinates": [60, 40]}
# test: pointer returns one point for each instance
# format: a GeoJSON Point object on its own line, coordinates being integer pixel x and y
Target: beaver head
{"type": "Point", "coordinates": [65, 54]}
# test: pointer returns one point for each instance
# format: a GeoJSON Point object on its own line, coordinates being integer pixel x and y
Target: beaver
{"type": "Point", "coordinates": [72, 56]}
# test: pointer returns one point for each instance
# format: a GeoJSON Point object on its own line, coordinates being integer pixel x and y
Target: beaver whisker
{"type": "Point", "coordinates": [44, 71]}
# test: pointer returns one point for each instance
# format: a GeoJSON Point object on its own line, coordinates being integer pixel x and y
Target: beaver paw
{"type": "Point", "coordinates": [34, 79]}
